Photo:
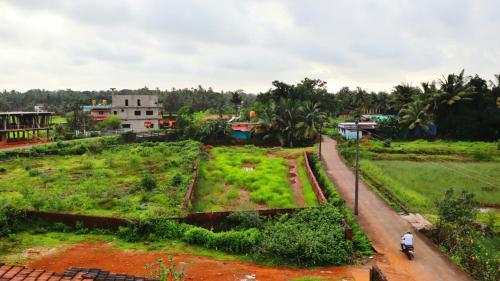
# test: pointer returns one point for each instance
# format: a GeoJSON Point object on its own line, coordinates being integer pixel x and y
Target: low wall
{"type": "Point", "coordinates": [314, 182]}
{"type": "Point", "coordinates": [191, 187]}
{"type": "Point", "coordinates": [72, 219]}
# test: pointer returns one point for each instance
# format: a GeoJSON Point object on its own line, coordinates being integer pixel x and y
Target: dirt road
{"type": "Point", "coordinates": [384, 227]}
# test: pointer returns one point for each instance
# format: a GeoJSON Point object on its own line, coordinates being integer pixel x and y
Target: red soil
{"type": "Point", "coordinates": [103, 256]}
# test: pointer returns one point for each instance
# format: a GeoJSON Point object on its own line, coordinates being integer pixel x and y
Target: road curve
{"type": "Point", "coordinates": [384, 227]}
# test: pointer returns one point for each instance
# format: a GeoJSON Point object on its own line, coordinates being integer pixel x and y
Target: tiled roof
{"type": "Point", "coordinates": [21, 273]}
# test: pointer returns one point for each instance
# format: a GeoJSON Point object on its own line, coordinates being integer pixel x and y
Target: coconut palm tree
{"type": "Point", "coordinates": [312, 117]}
{"type": "Point", "coordinates": [416, 115]}
{"type": "Point", "coordinates": [287, 118]}
{"type": "Point", "coordinates": [455, 89]}
{"type": "Point", "coordinates": [403, 94]}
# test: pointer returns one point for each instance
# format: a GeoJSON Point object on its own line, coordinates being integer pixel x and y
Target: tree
{"type": "Point", "coordinates": [287, 120]}
{"type": "Point", "coordinates": [112, 122]}
{"type": "Point", "coordinates": [415, 115]}
{"type": "Point", "coordinates": [312, 117]}
{"type": "Point", "coordinates": [403, 94]}
{"type": "Point", "coordinates": [236, 101]}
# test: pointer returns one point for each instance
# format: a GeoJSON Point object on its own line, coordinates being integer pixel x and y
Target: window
{"type": "Point", "coordinates": [138, 102]}
{"type": "Point", "coordinates": [101, 112]}
{"type": "Point", "coordinates": [114, 112]}
{"type": "Point", "coordinates": [137, 113]}
{"type": "Point", "coordinates": [149, 112]}
{"type": "Point", "coordinates": [126, 126]}
{"type": "Point", "coordinates": [126, 102]}
{"type": "Point", "coordinates": [123, 110]}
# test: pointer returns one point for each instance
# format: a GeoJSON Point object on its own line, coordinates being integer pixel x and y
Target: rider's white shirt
{"type": "Point", "coordinates": [408, 239]}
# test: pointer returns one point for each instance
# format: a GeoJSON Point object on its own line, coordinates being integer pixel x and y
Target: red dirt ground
{"type": "Point", "coordinates": [103, 256]}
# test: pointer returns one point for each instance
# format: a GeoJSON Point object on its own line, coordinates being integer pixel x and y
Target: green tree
{"type": "Point", "coordinates": [312, 116]}
{"type": "Point", "coordinates": [112, 122]}
{"type": "Point", "coordinates": [416, 115]}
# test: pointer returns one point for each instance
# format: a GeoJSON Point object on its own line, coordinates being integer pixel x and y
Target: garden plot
{"type": "Point", "coordinates": [133, 180]}
{"type": "Point", "coordinates": [249, 178]}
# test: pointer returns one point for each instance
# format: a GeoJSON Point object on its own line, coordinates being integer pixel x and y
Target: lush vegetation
{"type": "Point", "coordinates": [457, 235]}
{"type": "Point", "coordinates": [308, 237]}
{"type": "Point", "coordinates": [244, 178]}
{"type": "Point", "coordinates": [128, 180]}
{"type": "Point", "coordinates": [462, 107]}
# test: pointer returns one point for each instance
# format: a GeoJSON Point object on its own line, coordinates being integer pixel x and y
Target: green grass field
{"type": "Point", "coordinates": [245, 178]}
{"type": "Point", "coordinates": [107, 183]}
{"type": "Point", "coordinates": [420, 184]}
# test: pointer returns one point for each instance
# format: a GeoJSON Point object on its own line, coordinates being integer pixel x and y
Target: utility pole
{"type": "Point", "coordinates": [320, 137]}
{"type": "Point", "coordinates": [356, 184]}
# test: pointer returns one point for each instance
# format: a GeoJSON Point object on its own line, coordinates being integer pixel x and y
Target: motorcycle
{"type": "Point", "coordinates": [409, 251]}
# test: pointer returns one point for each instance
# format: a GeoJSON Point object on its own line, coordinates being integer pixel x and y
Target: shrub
{"type": "Point", "coordinates": [177, 179]}
{"type": "Point", "coordinates": [11, 211]}
{"type": "Point", "coordinates": [34, 172]}
{"type": "Point", "coordinates": [148, 182]}
{"type": "Point", "coordinates": [387, 143]}
{"type": "Point", "coordinates": [2, 170]}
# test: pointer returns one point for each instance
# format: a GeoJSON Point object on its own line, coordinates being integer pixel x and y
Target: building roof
{"type": "Point", "coordinates": [352, 125]}
{"type": "Point", "coordinates": [26, 113]}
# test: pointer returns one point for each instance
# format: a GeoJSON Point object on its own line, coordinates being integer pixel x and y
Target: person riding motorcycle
{"type": "Point", "coordinates": [407, 241]}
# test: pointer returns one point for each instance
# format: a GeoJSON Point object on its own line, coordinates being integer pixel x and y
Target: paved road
{"type": "Point", "coordinates": [384, 227]}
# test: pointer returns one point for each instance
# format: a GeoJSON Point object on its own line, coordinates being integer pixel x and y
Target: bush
{"type": "Point", "coordinates": [11, 211]}
{"type": "Point", "coordinates": [34, 172]}
{"type": "Point", "coordinates": [2, 170]}
{"type": "Point", "coordinates": [387, 143]}
{"type": "Point", "coordinates": [148, 182]}
{"type": "Point", "coordinates": [177, 179]}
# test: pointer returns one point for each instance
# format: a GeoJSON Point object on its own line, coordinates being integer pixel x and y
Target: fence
{"type": "Point", "coordinates": [314, 182]}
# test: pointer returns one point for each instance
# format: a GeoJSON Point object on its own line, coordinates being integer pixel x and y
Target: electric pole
{"type": "Point", "coordinates": [356, 184]}
{"type": "Point", "coordinates": [320, 137]}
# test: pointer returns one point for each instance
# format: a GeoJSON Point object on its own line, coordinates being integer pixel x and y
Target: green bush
{"type": "Point", "coordinates": [34, 172]}
{"type": "Point", "coordinates": [148, 182]}
{"type": "Point", "coordinates": [309, 237]}
{"type": "Point", "coordinates": [12, 207]}
{"type": "Point", "coordinates": [2, 170]}
{"type": "Point", "coordinates": [177, 179]}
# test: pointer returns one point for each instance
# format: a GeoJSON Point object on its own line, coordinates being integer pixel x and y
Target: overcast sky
{"type": "Point", "coordinates": [229, 45]}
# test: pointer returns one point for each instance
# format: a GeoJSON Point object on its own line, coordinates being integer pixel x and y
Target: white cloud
{"type": "Point", "coordinates": [91, 44]}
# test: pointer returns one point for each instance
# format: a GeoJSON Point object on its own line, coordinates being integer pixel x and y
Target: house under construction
{"type": "Point", "coordinates": [22, 126]}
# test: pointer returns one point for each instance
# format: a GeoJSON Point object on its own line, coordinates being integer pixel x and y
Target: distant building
{"type": "Point", "coordinates": [98, 111]}
{"type": "Point", "coordinates": [137, 112]}
{"type": "Point", "coordinates": [348, 129]}
{"type": "Point", "coordinates": [22, 126]}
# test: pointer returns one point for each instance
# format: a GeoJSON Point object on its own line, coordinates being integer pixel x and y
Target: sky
{"type": "Point", "coordinates": [230, 45]}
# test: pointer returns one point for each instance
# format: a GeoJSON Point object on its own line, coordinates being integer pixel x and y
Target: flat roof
{"type": "Point", "coordinates": [26, 113]}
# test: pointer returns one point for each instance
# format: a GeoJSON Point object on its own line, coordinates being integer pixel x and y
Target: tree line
{"type": "Point", "coordinates": [459, 106]}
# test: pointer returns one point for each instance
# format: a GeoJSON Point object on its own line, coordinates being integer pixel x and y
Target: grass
{"type": "Point", "coordinates": [307, 189]}
{"type": "Point", "coordinates": [107, 183]}
{"type": "Point", "coordinates": [224, 184]}
{"type": "Point", "coordinates": [420, 184]}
